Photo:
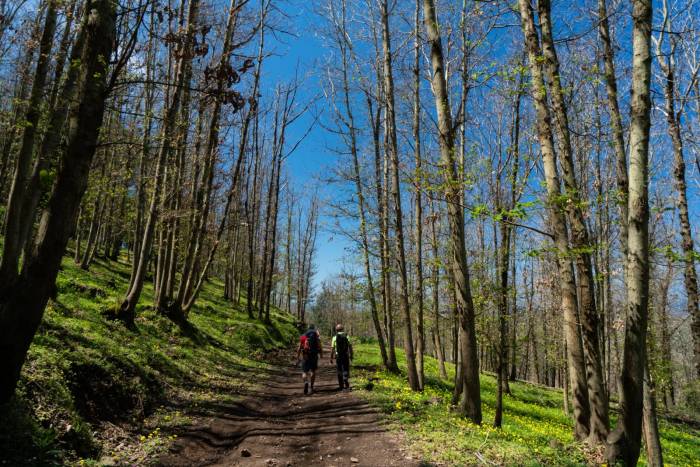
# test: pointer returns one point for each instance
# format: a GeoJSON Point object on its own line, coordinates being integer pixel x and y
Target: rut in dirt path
{"type": "Point", "coordinates": [277, 425]}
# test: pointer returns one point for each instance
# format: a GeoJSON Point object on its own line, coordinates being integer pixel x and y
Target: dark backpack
{"type": "Point", "coordinates": [311, 343]}
{"type": "Point", "coordinates": [341, 344]}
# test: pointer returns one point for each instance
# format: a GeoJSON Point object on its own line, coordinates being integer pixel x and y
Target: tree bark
{"type": "Point", "coordinates": [624, 442]}
{"type": "Point", "coordinates": [23, 299]}
{"type": "Point", "coordinates": [384, 286]}
{"type": "Point", "coordinates": [127, 309]}
{"type": "Point", "coordinates": [690, 277]}
{"type": "Point", "coordinates": [420, 328]}
{"type": "Point", "coordinates": [580, 239]}
{"type": "Point", "coordinates": [15, 219]}
{"type": "Point", "coordinates": [392, 151]}
{"type": "Point", "coordinates": [576, 360]}
{"type": "Point", "coordinates": [471, 396]}
{"type": "Point", "coordinates": [364, 237]}
{"type": "Point", "coordinates": [436, 294]}
{"type": "Point", "coordinates": [650, 424]}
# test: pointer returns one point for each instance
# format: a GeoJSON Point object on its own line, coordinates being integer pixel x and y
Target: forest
{"type": "Point", "coordinates": [498, 200]}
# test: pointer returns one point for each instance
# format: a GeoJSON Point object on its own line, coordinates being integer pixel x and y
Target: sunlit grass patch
{"type": "Point", "coordinates": [535, 431]}
{"type": "Point", "coordinates": [91, 387]}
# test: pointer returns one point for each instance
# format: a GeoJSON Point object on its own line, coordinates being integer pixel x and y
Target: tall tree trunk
{"type": "Point", "coordinates": [580, 239]}
{"type": "Point", "coordinates": [288, 256]}
{"type": "Point", "coordinates": [615, 120]}
{"type": "Point", "coordinates": [23, 299]}
{"type": "Point", "coordinates": [456, 348]}
{"type": "Point", "coordinates": [15, 219]}
{"type": "Point", "coordinates": [576, 361]}
{"type": "Point", "coordinates": [273, 242]}
{"type": "Point", "coordinates": [252, 225]}
{"type": "Point", "coordinates": [512, 348]}
{"type": "Point", "coordinates": [385, 285]}
{"type": "Point", "coordinates": [144, 153]}
{"type": "Point", "coordinates": [503, 257]}
{"type": "Point", "coordinates": [364, 237]}
{"type": "Point", "coordinates": [392, 149]}
{"type": "Point", "coordinates": [624, 441]}
{"type": "Point", "coordinates": [673, 116]}
{"type": "Point", "coordinates": [420, 347]}
{"type": "Point", "coordinates": [665, 334]}
{"type": "Point", "coordinates": [47, 155]}
{"type": "Point", "coordinates": [471, 396]}
{"type": "Point", "coordinates": [127, 309]}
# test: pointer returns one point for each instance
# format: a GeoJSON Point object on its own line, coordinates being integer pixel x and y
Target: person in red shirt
{"type": "Point", "coordinates": [310, 349]}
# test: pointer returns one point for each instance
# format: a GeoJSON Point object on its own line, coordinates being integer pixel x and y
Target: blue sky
{"type": "Point", "coordinates": [313, 158]}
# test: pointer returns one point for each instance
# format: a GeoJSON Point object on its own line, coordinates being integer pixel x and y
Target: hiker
{"type": "Point", "coordinates": [309, 348]}
{"type": "Point", "coordinates": [341, 350]}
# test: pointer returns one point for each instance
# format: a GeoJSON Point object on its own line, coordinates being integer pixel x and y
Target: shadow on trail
{"type": "Point", "coordinates": [276, 424]}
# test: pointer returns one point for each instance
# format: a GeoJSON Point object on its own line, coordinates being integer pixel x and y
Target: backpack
{"type": "Point", "coordinates": [341, 344]}
{"type": "Point", "coordinates": [311, 343]}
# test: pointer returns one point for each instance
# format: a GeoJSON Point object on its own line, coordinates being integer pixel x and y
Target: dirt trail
{"type": "Point", "coordinates": [279, 426]}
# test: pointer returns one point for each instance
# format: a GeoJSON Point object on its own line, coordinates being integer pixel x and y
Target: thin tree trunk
{"type": "Point", "coordinates": [15, 219]}
{"type": "Point", "coordinates": [575, 356]}
{"type": "Point", "coordinates": [690, 277]}
{"type": "Point", "coordinates": [419, 202]}
{"type": "Point", "coordinates": [580, 239]}
{"type": "Point", "coordinates": [385, 285]}
{"type": "Point", "coordinates": [503, 264]}
{"type": "Point", "coordinates": [392, 150]}
{"type": "Point", "coordinates": [344, 46]}
{"type": "Point", "coordinates": [436, 294]}
{"type": "Point", "coordinates": [666, 357]}
{"type": "Point", "coordinates": [127, 309]}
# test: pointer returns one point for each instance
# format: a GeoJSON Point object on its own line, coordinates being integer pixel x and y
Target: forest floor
{"type": "Point", "coordinates": [535, 431]}
{"type": "Point", "coordinates": [277, 425]}
{"type": "Point", "coordinates": [94, 392]}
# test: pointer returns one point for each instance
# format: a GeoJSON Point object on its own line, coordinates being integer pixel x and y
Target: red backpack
{"type": "Point", "coordinates": [311, 343]}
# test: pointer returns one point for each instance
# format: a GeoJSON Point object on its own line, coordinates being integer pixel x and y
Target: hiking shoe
{"type": "Point", "coordinates": [306, 388]}
{"type": "Point", "coordinates": [347, 384]}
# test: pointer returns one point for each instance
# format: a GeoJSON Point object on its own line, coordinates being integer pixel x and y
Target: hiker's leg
{"type": "Point", "coordinates": [305, 375]}
{"type": "Point", "coordinates": [346, 371]}
{"type": "Point", "coordinates": [339, 371]}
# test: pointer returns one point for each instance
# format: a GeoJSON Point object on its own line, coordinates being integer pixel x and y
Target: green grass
{"type": "Point", "coordinates": [92, 388]}
{"type": "Point", "coordinates": [535, 429]}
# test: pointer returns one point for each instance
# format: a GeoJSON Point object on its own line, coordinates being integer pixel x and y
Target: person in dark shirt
{"type": "Point", "coordinates": [341, 351]}
{"type": "Point", "coordinates": [309, 350]}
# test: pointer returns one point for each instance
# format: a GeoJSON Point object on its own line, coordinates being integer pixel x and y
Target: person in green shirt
{"type": "Point", "coordinates": [341, 351]}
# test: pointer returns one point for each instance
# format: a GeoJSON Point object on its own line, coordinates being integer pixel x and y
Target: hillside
{"type": "Point", "coordinates": [95, 393]}
{"type": "Point", "coordinates": [92, 389]}
{"type": "Point", "coordinates": [536, 431]}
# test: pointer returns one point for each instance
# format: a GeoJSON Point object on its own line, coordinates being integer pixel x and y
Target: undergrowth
{"type": "Point", "coordinates": [94, 392]}
{"type": "Point", "coordinates": [535, 431]}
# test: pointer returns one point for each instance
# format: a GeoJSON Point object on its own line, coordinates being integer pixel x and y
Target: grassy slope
{"type": "Point", "coordinates": [93, 389]}
{"type": "Point", "coordinates": [535, 428]}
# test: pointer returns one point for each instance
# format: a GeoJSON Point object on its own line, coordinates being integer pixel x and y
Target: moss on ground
{"type": "Point", "coordinates": [93, 391]}
{"type": "Point", "coordinates": [535, 430]}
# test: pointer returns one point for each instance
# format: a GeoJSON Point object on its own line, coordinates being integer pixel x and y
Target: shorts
{"type": "Point", "coordinates": [310, 363]}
